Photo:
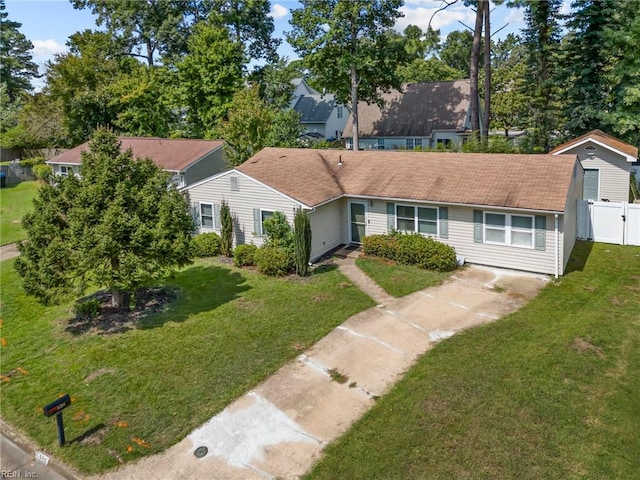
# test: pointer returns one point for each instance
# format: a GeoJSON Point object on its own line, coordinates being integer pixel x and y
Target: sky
{"type": "Point", "coordinates": [49, 23]}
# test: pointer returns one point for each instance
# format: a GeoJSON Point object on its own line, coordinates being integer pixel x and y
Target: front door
{"type": "Point", "coordinates": [357, 221]}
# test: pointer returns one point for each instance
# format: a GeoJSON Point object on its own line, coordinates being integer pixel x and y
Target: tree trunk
{"type": "Point", "coordinates": [354, 108]}
{"type": "Point", "coordinates": [475, 59]}
{"type": "Point", "coordinates": [487, 71]}
{"type": "Point", "coordinates": [120, 299]}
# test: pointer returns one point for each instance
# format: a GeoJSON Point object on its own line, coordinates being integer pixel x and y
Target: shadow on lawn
{"type": "Point", "coordinates": [579, 256]}
{"type": "Point", "coordinates": [190, 292]}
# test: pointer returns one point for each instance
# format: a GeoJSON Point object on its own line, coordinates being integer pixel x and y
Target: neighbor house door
{"type": "Point", "coordinates": [591, 190]}
{"type": "Point", "coordinates": [357, 221]}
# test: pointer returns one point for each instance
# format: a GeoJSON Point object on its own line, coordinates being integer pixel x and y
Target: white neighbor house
{"type": "Point", "coordinates": [511, 211]}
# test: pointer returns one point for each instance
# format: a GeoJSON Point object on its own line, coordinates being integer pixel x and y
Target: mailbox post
{"type": "Point", "coordinates": [55, 408]}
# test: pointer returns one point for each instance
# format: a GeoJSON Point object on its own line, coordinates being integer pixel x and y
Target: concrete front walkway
{"type": "Point", "coordinates": [278, 429]}
{"type": "Point", "coordinates": [9, 251]}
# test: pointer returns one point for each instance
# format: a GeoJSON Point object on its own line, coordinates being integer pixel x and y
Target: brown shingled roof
{"type": "Point", "coordinates": [416, 111]}
{"type": "Point", "coordinates": [601, 137]}
{"type": "Point", "coordinates": [173, 155]}
{"type": "Point", "coordinates": [312, 177]}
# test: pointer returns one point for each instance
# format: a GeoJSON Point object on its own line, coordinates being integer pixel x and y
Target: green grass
{"type": "Point", "coordinates": [228, 330]}
{"type": "Point", "coordinates": [399, 280]}
{"type": "Point", "coordinates": [551, 391]}
{"type": "Point", "coordinates": [15, 201]}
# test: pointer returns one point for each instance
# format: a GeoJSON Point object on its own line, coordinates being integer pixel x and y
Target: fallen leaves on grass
{"type": "Point", "coordinates": [141, 442]}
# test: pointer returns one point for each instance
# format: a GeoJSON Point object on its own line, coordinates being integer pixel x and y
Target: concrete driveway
{"type": "Point", "coordinates": [278, 429]}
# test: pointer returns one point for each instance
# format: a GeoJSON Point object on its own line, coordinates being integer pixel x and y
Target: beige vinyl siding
{"type": "Point", "coordinates": [461, 238]}
{"type": "Point", "coordinates": [529, 259]}
{"type": "Point", "coordinates": [326, 231]}
{"type": "Point", "coordinates": [250, 195]}
{"type": "Point", "coordinates": [212, 163]}
{"type": "Point", "coordinates": [614, 170]}
{"type": "Point", "coordinates": [570, 218]}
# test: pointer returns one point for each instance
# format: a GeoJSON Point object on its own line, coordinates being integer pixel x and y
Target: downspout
{"type": "Point", "coordinates": [557, 262]}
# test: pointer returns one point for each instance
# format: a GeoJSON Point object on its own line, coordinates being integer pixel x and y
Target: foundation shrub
{"type": "Point", "coordinates": [205, 245]}
{"type": "Point", "coordinates": [274, 261]}
{"type": "Point", "coordinates": [244, 255]}
{"type": "Point", "coordinates": [412, 249]}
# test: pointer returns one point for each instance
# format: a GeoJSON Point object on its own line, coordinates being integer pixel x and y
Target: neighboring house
{"type": "Point", "coordinates": [187, 160]}
{"type": "Point", "coordinates": [320, 115]}
{"type": "Point", "coordinates": [423, 115]}
{"type": "Point", "coordinates": [513, 211]}
{"type": "Point", "coordinates": [607, 163]}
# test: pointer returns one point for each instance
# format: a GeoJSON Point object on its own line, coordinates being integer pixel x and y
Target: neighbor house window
{"type": "Point", "coordinates": [409, 143]}
{"type": "Point", "coordinates": [339, 112]}
{"type": "Point", "coordinates": [64, 170]}
{"type": "Point", "coordinates": [513, 230]}
{"type": "Point", "coordinates": [417, 219]}
{"type": "Point", "coordinates": [444, 143]}
{"type": "Point", "coordinates": [234, 184]}
{"type": "Point", "coordinates": [417, 143]}
{"type": "Point", "coordinates": [381, 144]}
{"type": "Point", "coordinates": [206, 215]}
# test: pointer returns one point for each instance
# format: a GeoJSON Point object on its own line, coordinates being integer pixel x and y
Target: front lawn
{"type": "Point", "coordinates": [15, 201]}
{"type": "Point", "coordinates": [399, 280]}
{"type": "Point", "coordinates": [140, 391]}
{"type": "Point", "coordinates": [550, 391]}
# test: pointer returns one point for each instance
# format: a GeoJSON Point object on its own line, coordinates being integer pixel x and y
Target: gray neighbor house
{"type": "Point", "coordinates": [320, 115]}
{"type": "Point", "coordinates": [422, 115]}
{"type": "Point", "coordinates": [187, 160]}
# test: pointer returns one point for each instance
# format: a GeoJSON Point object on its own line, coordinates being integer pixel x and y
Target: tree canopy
{"type": "Point", "coordinates": [120, 226]}
{"type": "Point", "coordinates": [350, 47]}
{"type": "Point", "coordinates": [16, 66]}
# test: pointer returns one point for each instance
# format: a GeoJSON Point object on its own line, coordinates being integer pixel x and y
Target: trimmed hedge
{"type": "Point", "coordinates": [244, 255]}
{"type": "Point", "coordinates": [273, 261]}
{"type": "Point", "coordinates": [412, 249]}
{"type": "Point", "coordinates": [206, 245]}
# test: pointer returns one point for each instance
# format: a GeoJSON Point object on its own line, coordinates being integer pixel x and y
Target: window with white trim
{"type": "Point", "coordinates": [264, 216]}
{"type": "Point", "coordinates": [410, 219]}
{"type": "Point", "coordinates": [339, 111]}
{"type": "Point", "coordinates": [65, 170]}
{"type": "Point", "coordinates": [206, 215]}
{"type": "Point", "coordinates": [505, 229]}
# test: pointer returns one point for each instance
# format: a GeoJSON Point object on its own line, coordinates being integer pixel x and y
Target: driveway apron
{"type": "Point", "coordinates": [278, 429]}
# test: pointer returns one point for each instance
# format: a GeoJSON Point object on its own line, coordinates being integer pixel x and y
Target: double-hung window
{"type": "Point", "coordinates": [206, 215]}
{"type": "Point", "coordinates": [381, 144]}
{"type": "Point", "coordinates": [264, 216]}
{"type": "Point", "coordinates": [427, 220]}
{"type": "Point", "coordinates": [417, 219]}
{"type": "Point", "coordinates": [64, 170]}
{"type": "Point", "coordinates": [513, 230]}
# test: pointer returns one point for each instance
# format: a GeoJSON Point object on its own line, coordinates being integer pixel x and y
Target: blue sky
{"type": "Point", "coordinates": [48, 23]}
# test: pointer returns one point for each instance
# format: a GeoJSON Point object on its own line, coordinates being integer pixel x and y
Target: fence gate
{"type": "Point", "coordinates": [609, 222]}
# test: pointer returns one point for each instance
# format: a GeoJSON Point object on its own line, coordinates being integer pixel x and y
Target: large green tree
{"type": "Point", "coordinates": [120, 226]}
{"type": "Point", "coordinates": [624, 114]}
{"type": "Point", "coordinates": [209, 76]}
{"type": "Point", "coordinates": [542, 88]}
{"type": "Point", "coordinates": [430, 70]}
{"type": "Point", "coordinates": [588, 59]}
{"type": "Point", "coordinates": [508, 102]}
{"type": "Point", "coordinates": [254, 124]}
{"type": "Point", "coordinates": [349, 46]}
{"type": "Point", "coordinates": [16, 66]}
{"type": "Point", "coordinates": [146, 29]}
{"type": "Point", "coordinates": [81, 80]}
{"type": "Point", "coordinates": [455, 51]}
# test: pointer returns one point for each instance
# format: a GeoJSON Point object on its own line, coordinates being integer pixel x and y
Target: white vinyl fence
{"type": "Point", "coordinates": [609, 222]}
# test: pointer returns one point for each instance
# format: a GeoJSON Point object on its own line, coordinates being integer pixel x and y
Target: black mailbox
{"type": "Point", "coordinates": [57, 406]}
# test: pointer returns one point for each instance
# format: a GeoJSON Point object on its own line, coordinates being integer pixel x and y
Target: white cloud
{"type": "Point", "coordinates": [420, 16]}
{"type": "Point", "coordinates": [515, 15]}
{"type": "Point", "coordinates": [278, 11]}
{"type": "Point", "coordinates": [45, 49]}
{"type": "Point", "coordinates": [565, 9]}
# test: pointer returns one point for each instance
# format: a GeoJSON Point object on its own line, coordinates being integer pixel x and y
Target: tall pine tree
{"type": "Point", "coordinates": [542, 41]}
{"type": "Point", "coordinates": [587, 61]}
